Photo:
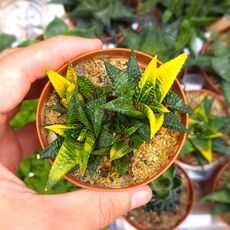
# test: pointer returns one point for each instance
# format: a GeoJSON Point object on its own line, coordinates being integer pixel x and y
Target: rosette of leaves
{"type": "Point", "coordinates": [216, 62]}
{"type": "Point", "coordinates": [102, 16]}
{"type": "Point", "coordinates": [166, 190]}
{"type": "Point", "coordinates": [221, 199]}
{"type": "Point", "coordinates": [206, 133]}
{"type": "Point", "coordinates": [113, 120]}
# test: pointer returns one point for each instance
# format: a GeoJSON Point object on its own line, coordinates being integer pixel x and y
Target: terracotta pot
{"type": "Point", "coordinates": [220, 25]}
{"type": "Point", "coordinates": [210, 168]}
{"type": "Point", "coordinates": [216, 181]}
{"type": "Point", "coordinates": [192, 198]}
{"type": "Point", "coordinates": [143, 59]}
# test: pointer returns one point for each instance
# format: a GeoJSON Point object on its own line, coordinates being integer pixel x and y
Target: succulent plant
{"type": "Point", "coordinates": [166, 191]}
{"type": "Point", "coordinates": [206, 133]}
{"type": "Point", "coordinates": [221, 199]}
{"type": "Point", "coordinates": [114, 119]}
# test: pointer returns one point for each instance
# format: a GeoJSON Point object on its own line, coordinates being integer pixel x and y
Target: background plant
{"type": "Point", "coordinates": [207, 133]}
{"type": "Point", "coordinates": [166, 190]}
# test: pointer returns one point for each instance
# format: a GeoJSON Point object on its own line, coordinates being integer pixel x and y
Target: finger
{"type": "Point", "coordinates": [100, 208]}
{"type": "Point", "coordinates": [7, 52]}
{"type": "Point", "coordinates": [18, 145]}
{"type": "Point", "coordinates": [21, 68]}
{"type": "Point", "coordinates": [27, 139]}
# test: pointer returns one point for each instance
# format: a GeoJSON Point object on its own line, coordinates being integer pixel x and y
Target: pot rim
{"type": "Point", "coordinates": [123, 53]}
{"type": "Point", "coordinates": [225, 107]}
{"type": "Point", "coordinates": [192, 199]}
{"type": "Point", "coordinates": [215, 183]}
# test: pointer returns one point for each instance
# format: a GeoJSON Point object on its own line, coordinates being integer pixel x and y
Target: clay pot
{"type": "Point", "coordinates": [220, 25]}
{"type": "Point", "coordinates": [142, 59]}
{"type": "Point", "coordinates": [209, 168]}
{"type": "Point", "coordinates": [216, 180]}
{"type": "Point", "coordinates": [190, 206]}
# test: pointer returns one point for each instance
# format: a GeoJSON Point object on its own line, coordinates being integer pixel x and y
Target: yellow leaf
{"type": "Point", "coordinates": [155, 121]}
{"type": "Point", "coordinates": [59, 129]}
{"type": "Point", "coordinates": [168, 72]}
{"type": "Point", "coordinates": [59, 83]}
{"type": "Point", "coordinates": [204, 146]}
{"type": "Point", "coordinates": [200, 111]}
{"type": "Point", "coordinates": [71, 74]}
{"type": "Point", "coordinates": [150, 73]}
{"type": "Point", "coordinates": [69, 93]}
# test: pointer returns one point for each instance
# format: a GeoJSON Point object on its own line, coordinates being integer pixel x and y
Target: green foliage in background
{"type": "Point", "coordinates": [6, 41]}
{"type": "Point", "coordinates": [166, 191]}
{"type": "Point", "coordinates": [221, 199]}
{"type": "Point", "coordinates": [102, 16]}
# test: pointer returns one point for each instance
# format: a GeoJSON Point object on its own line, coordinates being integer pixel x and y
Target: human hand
{"type": "Point", "coordinates": [22, 208]}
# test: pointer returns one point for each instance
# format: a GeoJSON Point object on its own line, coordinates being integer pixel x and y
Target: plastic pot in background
{"type": "Point", "coordinates": [141, 226]}
{"type": "Point", "coordinates": [142, 59]}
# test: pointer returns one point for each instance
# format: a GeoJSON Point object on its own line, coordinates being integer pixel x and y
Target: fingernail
{"type": "Point", "coordinates": [140, 198]}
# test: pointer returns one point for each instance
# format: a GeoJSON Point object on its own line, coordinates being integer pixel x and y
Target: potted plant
{"type": "Point", "coordinates": [121, 126]}
{"type": "Point", "coordinates": [220, 194]}
{"type": "Point", "coordinates": [213, 64]}
{"type": "Point", "coordinates": [103, 16]}
{"type": "Point", "coordinates": [207, 142]}
{"type": "Point", "coordinates": [172, 201]}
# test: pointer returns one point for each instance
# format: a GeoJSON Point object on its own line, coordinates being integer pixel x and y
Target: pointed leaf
{"type": "Point", "coordinates": [172, 121]}
{"type": "Point", "coordinates": [96, 113]}
{"type": "Point", "coordinates": [150, 73]}
{"type": "Point", "coordinates": [167, 73]}
{"type": "Point", "coordinates": [69, 92]}
{"type": "Point", "coordinates": [219, 209]}
{"type": "Point", "coordinates": [119, 149]}
{"type": "Point", "coordinates": [122, 165]}
{"type": "Point", "coordinates": [204, 146]}
{"type": "Point", "coordinates": [176, 103]}
{"type": "Point", "coordinates": [187, 148]}
{"type": "Point", "coordinates": [60, 129]}
{"type": "Point", "coordinates": [119, 79]}
{"type": "Point", "coordinates": [67, 158]}
{"type": "Point", "coordinates": [71, 74]}
{"type": "Point", "coordinates": [133, 70]}
{"type": "Point", "coordinates": [52, 149]}
{"type": "Point", "coordinates": [123, 105]}
{"type": "Point", "coordinates": [59, 83]}
{"type": "Point", "coordinates": [77, 112]}
{"type": "Point", "coordinates": [219, 196]}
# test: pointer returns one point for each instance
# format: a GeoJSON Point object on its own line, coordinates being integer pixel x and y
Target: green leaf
{"type": "Point", "coordinates": [85, 33]}
{"type": "Point", "coordinates": [52, 149]}
{"type": "Point", "coordinates": [94, 161]}
{"type": "Point", "coordinates": [131, 38]}
{"type": "Point", "coordinates": [68, 156]}
{"type": "Point", "coordinates": [136, 141]}
{"type": "Point", "coordinates": [122, 165]}
{"type": "Point", "coordinates": [219, 196]}
{"type": "Point", "coordinates": [172, 121]}
{"type": "Point", "coordinates": [220, 145]}
{"type": "Point", "coordinates": [119, 149]}
{"type": "Point", "coordinates": [187, 148]}
{"type": "Point", "coordinates": [204, 146]}
{"type": "Point", "coordinates": [58, 107]}
{"type": "Point", "coordinates": [86, 88]}
{"type": "Point", "coordinates": [133, 70]}
{"type": "Point", "coordinates": [123, 105]}
{"type": "Point", "coordinates": [144, 132]}
{"type": "Point", "coordinates": [176, 103]}
{"type": "Point", "coordinates": [101, 151]}
{"type": "Point", "coordinates": [105, 138]}
{"type": "Point", "coordinates": [77, 112]}
{"type": "Point", "coordinates": [219, 209]}
{"type": "Point", "coordinates": [55, 27]}
{"type": "Point", "coordinates": [6, 41]}
{"type": "Point", "coordinates": [96, 113]}
{"type": "Point", "coordinates": [119, 79]}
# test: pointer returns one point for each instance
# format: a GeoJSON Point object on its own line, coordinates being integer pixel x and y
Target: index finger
{"type": "Point", "coordinates": [20, 69]}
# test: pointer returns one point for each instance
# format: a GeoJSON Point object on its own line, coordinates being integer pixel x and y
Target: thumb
{"type": "Point", "coordinates": [86, 209]}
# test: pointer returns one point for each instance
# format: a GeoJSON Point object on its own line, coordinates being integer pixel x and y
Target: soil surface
{"type": "Point", "coordinates": [145, 162]}
{"type": "Point", "coordinates": [163, 220]}
{"type": "Point", "coordinates": [193, 99]}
